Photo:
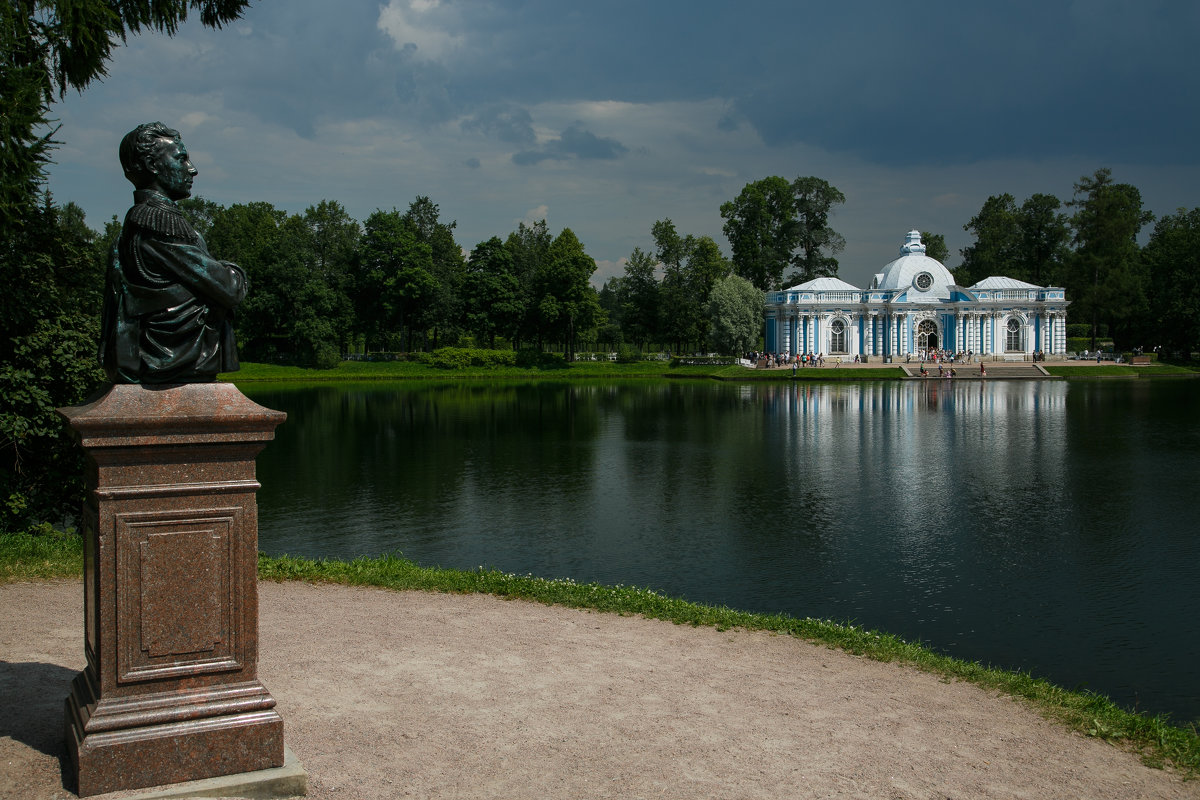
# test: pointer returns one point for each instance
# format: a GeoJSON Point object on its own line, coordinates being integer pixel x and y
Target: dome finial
{"type": "Point", "coordinates": [912, 243]}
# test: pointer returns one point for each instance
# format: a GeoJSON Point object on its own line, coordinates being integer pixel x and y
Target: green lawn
{"type": "Point", "coordinates": [350, 371]}
{"type": "Point", "coordinates": [1158, 742]}
{"type": "Point", "coordinates": [1082, 370]}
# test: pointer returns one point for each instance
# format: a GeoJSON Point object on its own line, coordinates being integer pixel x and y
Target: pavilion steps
{"type": "Point", "coordinates": [996, 370]}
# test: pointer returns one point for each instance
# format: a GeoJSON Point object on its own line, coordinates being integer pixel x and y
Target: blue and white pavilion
{"type": "Point", "coordinates": [913, 305]}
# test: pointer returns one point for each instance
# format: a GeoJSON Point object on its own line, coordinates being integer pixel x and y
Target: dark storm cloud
{"type": "Point", "coordinates": [504, 122]}
{"type": "Point", "coordinates": [575, 142]}
{"type": "Point", "coordinates": [894, 84]}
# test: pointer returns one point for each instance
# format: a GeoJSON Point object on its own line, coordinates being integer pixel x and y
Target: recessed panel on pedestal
{"type": "Point", "coordinates": [178, 608]}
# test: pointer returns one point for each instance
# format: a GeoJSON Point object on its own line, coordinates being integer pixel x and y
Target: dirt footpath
{"type": "Point", "coordinates": [410, 694]}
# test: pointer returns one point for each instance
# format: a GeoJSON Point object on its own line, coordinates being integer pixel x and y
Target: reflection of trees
{"type": "Point", "coordinates": [395, 456]}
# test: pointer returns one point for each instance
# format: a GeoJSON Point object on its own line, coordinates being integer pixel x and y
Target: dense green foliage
{"type": "Point", "coordinates": [735, 311]}
{"type": "Point", "coordinates": [935, 246]}
{"type": "Point", "coordinates": [773, 224]}
{"type": "Point", "coordinates": [1122, 295]}
{"type": "Point", "coordinates": [51, 263]}
{"type": "Point", "coordinates": [1105, 277]}
{"type": "Point", "coordinates": [1026, 242]}
{"type": "Point", "coordinates": [1172, 262]}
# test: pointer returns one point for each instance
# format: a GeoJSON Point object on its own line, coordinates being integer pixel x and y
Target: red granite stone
{"type": "Point", "coordinates": [171, 691]}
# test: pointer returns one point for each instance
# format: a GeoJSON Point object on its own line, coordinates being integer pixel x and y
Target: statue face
{"type": "Point", "coordinates": [173, 170]}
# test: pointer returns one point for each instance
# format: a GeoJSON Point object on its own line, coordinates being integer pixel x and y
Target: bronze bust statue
{"type": "Point", "coordinates": [168, 304]}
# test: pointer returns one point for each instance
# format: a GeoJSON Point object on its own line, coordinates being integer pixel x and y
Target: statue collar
{"type": "Point", "coordinates": [154, 197]}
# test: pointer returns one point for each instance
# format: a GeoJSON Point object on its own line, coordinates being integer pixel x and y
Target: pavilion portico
{"type": "Point", "coordinates": [913, 306]}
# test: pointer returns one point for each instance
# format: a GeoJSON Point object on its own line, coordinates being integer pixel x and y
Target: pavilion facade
{"type": "Point", "coordinates": [913, 307]}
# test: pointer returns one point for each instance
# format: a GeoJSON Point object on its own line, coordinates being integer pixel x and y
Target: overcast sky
{"type": "Point", "coordinates": [607, 115]}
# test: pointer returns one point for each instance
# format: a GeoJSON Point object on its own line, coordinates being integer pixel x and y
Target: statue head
{"type": "Point", "coordinates": [153, 156]}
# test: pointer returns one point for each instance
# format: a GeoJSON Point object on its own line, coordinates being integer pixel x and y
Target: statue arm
{"type": "Point", "coordinates": [218, 282]}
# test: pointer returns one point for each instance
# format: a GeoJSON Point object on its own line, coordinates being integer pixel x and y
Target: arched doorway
{"type": "Point", "coordinates": [927, 337]}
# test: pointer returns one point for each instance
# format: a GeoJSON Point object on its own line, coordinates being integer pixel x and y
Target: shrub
{"type": "Point", "coordinates": [493, 358]}
{"type": "Point", "coordinates": [463, 357]}
{"type": "Point", "coordinates": [628, 354]}
{"type": "Point", "coordinates": [450, 358]}
{"type": "Point", "coordinates": [326, 356]}
{"type": "Point", "coordinates": [1083, 330]}
{"type": "Point", "coordinates": [536, 359]}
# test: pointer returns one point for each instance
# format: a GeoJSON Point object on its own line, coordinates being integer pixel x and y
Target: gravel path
{"type": "Point", "coordinates": [410, 694]}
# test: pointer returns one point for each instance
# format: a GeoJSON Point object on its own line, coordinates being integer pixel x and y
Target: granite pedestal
{"type": "Point", "coordinates": [171, 691]}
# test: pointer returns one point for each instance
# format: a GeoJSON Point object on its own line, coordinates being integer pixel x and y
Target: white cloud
{"type": "Point", "coordinates": [533, 215]}
{"type": "Point", "coordinates": [415, 22]}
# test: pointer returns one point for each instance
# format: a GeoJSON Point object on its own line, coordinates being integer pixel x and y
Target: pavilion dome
{"type": "Point", "coordinates": [927, 279]}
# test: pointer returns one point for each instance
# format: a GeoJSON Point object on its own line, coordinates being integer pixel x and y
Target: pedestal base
{"type": "Point", "coordinates": [135, 742]}
{"type": "Point", "coordinates": [171, 690]}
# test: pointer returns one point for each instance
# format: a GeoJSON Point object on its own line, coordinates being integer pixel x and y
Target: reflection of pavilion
{"type": "Point", "coordinates": [914, 305]}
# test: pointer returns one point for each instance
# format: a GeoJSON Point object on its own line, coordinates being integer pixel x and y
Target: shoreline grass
{"type": "Point", "coordinates": [358, 371]}
{"type": "Point", "coordinates": [363, 371]}
{"type": "Point", "coordinates": [1154, 738]}
{"type": "Point", "coordinates": [1159, 370]}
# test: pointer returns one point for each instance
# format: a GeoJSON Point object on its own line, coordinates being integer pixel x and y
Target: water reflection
{"type": "Point", "coordinates": [1037, 525]}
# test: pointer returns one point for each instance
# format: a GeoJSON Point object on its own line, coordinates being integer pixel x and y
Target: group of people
{"type": "Point", "coordinates": [942, 356]}
{"type": "Point", "coordinates": [944, 371]}
{"type": "Point", "coordinates": [772, 360]}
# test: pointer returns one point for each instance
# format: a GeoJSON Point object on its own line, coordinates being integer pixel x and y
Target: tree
{"type": "Point", "coordinates": [442, 312]}
{"type": "Point", "coordinates": [298, 310]}
{"type": "Point", "coordinates": [530, 247]}
{"type": "Point", "coordinates": [394, 277]}
{"type": "Point", "coordinates": [332, 237]}
{"type": "Point", "coordinates": [818, 243]}
{"type": "Point", "coordinates": [201, 212]}
{"type": "Point", "coordinates": [251, 236]}
{"type": "Point", "coordinates": [1172, 262]}
{"type": "Point", "coordinates": [705, 266]}
{"type": "Point", "coordinates": [1044, 238]}
{"type": "Point", "coordinates": [566, 302]}
{"type": "Point", "coordinates": [682, 315]}
{"type": "Point", "coordinates": [638, 297]}
{"type": "Point", "coordinates": [997, 241]}
{"type": "Point", "coordinates": [494, 301]}
{"type": "Point", "coordinates": [48, 265]}
{"type": "Point", "coordinates": [1104, 275]}
{"type": "Point", "coordinates": [762, 229]}
{"type": "Point", "coordinates": [735, 313]}
{"type": "Point", "coordinates": [935, 246]}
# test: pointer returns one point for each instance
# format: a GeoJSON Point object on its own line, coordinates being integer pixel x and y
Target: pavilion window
{"type": "Point", "coordinates": [1012, 341]}
{"type": "Point", "coordinates": [837, 337]}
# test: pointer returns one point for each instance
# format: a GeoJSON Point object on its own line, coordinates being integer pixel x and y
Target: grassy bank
{"type": "Point", "coordinates": [1160, 370]}
{"type": "Point", "coordinates": [1159, 743]}
{"type": "Point", "coordinates": [353, 371]}
{"type": "Point", "coordinates": [348, 371]}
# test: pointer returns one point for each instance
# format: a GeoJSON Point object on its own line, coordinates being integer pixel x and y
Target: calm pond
{"type": "Point", "coordinates": [1045, 526]}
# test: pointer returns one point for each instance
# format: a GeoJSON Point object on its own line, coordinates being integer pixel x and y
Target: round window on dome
{"type": "Point", "coordinates": [923, 281]}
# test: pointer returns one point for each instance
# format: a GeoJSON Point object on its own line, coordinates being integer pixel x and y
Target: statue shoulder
{"type": "Point", "coordinates": [162, 220]}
